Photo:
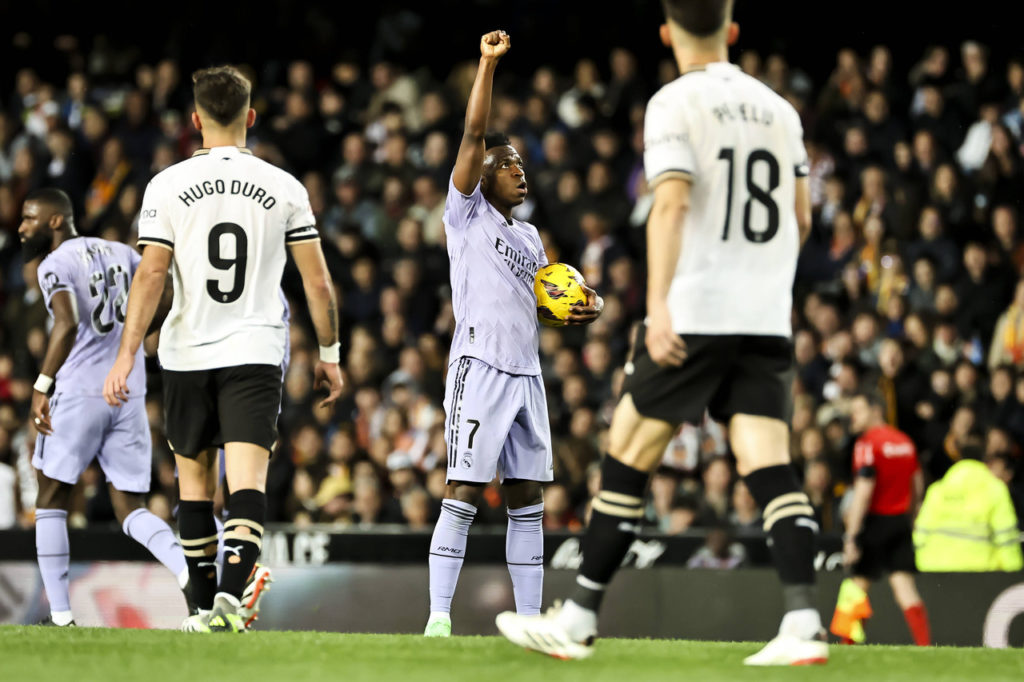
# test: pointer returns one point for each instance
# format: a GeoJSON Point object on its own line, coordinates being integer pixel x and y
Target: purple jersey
{"type": "Point", "coordinates": [98, 274]}
{"type": "Point", "coordinates": [493, 264]}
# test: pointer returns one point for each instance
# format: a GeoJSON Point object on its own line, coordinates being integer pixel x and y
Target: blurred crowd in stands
{"type": "Point", "coordinates": [909, 283]}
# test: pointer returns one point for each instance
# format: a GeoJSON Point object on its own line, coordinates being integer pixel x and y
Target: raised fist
{"type": "Point", "coordinates": [495, 44]}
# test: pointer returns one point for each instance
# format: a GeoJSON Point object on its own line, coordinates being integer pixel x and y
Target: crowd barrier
{"type": "Point", "coordinates": [377, 582]}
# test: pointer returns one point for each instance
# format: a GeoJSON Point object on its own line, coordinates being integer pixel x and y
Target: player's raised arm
{"type": "Point", "coordinates": [316, 280]}
{"type": "Point", "coordinates": [143, 300]}
{"type": "Point", "coordinates": [470, 161]}
{"type": "Point", "coordinates": [62, 340]}
{"type": "Point", "coordinates": [664, 242]}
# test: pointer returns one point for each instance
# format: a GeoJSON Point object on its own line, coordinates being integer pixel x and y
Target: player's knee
{"type": "Point", "coordinates": [124, 504]}
{"type": "Point", "coordinates": [52, 494]}
{"type": "Point", "coordinates": [636, 441]}
{"type": "Point", "coordinates": [464, 492]}
{"type": "Point", "coordinates": [195, 489]}
{"type": "Point", "coordinates": [519, 494]}
{"type": "Point", "coordinates": [758, 442]}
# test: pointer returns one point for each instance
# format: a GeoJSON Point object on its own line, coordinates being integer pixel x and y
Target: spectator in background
{"type": "Point", "coordinates": [985, 289]}
{"type": "Point", "coordinates": [818, 486]}
{"type": "Point", "coordinates": [719, 551]}
{"type": "Point", "coordinates": [967, 521]}
{"type": "Point", "coordinates": [890, 177]}
{"type": "Point", "coordinates": [745, 514]}
{"type": "Point", "coordinates": [1009, 249]}
{"type": "Point", "coordinates": [1007, 346]}
{"type": "Point", "coordinates": [558, 511]}
{"type": "Point", "coordinates": [714, 506]}
{"type": "Point", "coordinates": [933, 244]}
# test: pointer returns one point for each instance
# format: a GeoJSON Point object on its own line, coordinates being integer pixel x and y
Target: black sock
{"type": "Point", "coordinates": [199, 542]}
{"type": "Point", "coordinates": [243, 538]}
{"type": "Point", "coordinates": [789, 521]}
{"type": "Point", "coordinates": [615, 515]}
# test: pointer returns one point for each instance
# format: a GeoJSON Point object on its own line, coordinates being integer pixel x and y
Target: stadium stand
{"type": "Point", "coordinates": [909, 283]}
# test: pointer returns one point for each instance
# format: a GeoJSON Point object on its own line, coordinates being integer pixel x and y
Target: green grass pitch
{"type": "Point", "coordinates": [36, 654]}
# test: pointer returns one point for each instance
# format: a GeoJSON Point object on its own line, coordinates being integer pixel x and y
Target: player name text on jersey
{"type": "Point", "coordinates": [209, 188]}
{"type": "Point", "coordinates": [736, 112]}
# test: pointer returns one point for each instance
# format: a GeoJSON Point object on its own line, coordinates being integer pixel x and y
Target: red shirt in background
{"type": "Point", "coordinates": [892, 456]}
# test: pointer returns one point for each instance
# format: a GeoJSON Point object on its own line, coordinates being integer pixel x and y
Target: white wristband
{"type": "Point", "coordinates": [331, 354]}
{"type": "Point", "coordinates": [43, 383]}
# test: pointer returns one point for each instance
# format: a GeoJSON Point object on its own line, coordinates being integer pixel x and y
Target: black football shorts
{"type": "Point", "coordinates": [724, 374]}
{"type": "Point", "coordinates": [886, 545]}
{"type": "Point", "coordinates": [208, 408]}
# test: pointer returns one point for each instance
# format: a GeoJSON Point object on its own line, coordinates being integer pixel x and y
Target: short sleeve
{"type": "Point", "coordinates": [542, 255]}
{"type": "Point", "coordinates": [667, 147]}
{"type": "Point", "coordinates": [154, 219]}
{"type": "Point", "coordinates": [460, 208]}
{"type": "Point", "coordinates": [863, 458]}
{"type": "Point", "coordinates": [54, 276]}
{"type": "Point", "coordinates": [301, 225]}
{"type": "Point", "coordinates": [795, 133]}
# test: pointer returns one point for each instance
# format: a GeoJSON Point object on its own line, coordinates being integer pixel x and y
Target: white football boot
{"type": "Point", "coordinates": [564, 631]}
{"type": "Point", "coordinates": [801, 641]}
{"type": "Point", "coordinates": [256, 587]}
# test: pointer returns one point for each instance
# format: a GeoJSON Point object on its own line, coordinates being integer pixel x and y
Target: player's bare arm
{"type": "Point", "coordinates": [469, 163]}
{"type": "Point", "coordinates": [863, 489]}
{"type": "Point", "coordinates": [664, 239]}
{"type": "Point", "coordinates": [316, 280]}
{"type": "Point", "coordinates": [803, 208]}
{"type": "Point", "coordinates": [143, 301]}
{"type": "Point", "coordinates": [62, 340]}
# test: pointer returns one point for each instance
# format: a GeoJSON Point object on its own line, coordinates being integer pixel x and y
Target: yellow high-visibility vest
{"type": "Point", "coordinates": [967, 523]}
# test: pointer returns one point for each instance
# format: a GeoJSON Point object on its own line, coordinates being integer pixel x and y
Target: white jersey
{"type": "Point", "coordinates": [227, 216]}
{"type": "Point", "coordinates": [741, 145]}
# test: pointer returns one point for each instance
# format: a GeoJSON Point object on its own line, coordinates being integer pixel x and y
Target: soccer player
{"type": "Point", "coordinates": [496, 409]}
{"type": "Point", "coordinates": [85, 283]}
{"type": "Point", "coordinates": [888, 487]}
{"type": "Point", "coordinates": [221, 222]}
{"type": "Point", "coordinates": [725, 158]}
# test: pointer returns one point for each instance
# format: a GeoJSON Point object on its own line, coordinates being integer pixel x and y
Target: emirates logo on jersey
{"type": "Point", "coordinates": [553, 290]}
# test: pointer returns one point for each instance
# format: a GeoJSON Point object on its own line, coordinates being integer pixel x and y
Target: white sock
{"type": "Point", "coordinates": [524, 553]}
{"type": "Point", "coordinates": [447, 551]}
{"type": "Point", "coordinates": [231, 599]}
{"type": "Point", "coordinates": [580, 623]}
{"type": "Point", "coordinates": [61, 617]}
{"type": "Point", "coordinates": [153, 533]}
{"type": "Point", "coordinates": [183, 578]}
{"type": "Point", "coordinates": [802, 623]}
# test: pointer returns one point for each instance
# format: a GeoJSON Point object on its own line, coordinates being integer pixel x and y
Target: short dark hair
{"type": "Point", "coordinates": [55, 199]}
{"type": "Point", "coordinates": [702, 18]}
{"type": "Point", "coordinates": [222, 92]}
{"type": "Point", "coordinates": [495, 140]}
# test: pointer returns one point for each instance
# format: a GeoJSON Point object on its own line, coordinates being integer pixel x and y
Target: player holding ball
{"type": "Point", "coordinates": [497, 416]}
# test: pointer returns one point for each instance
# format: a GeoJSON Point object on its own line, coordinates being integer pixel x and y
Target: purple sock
{"type": "Point", "coordinates": [447, 549]}
{"type": "Point", "coordinates": [524, 552]}
{"type": "Point", "coordinates": [154, 534]}
{"type": "Point", "coordinates": [54, 556]}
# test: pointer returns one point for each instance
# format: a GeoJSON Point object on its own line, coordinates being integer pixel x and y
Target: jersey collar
{"type": "Point", "coordinates": [204, 151]}
{"type": "Point", "coordinates": [721, 67]}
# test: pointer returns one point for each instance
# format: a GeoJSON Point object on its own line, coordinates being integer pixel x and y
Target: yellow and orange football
{"type": "Point", "coordinates": [558, 288]}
